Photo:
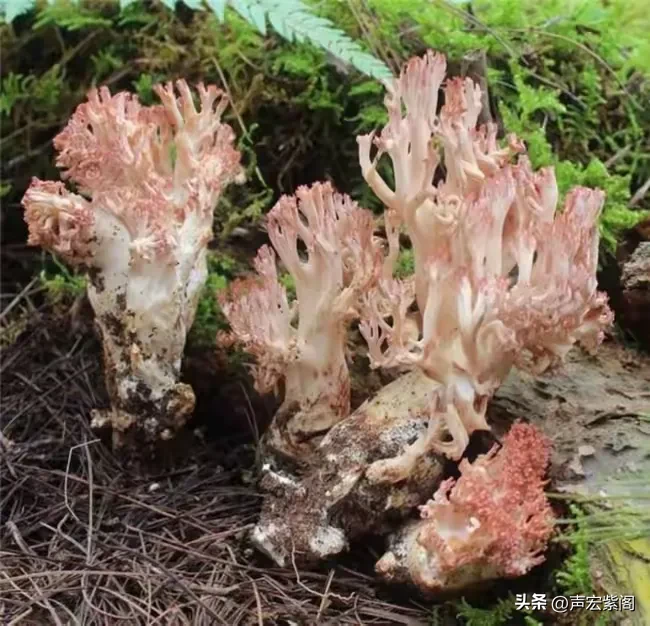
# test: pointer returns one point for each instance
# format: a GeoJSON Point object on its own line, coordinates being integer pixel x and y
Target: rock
{"type": "Point", "coordinates": [597, 401]}
{"type": "Point", "coordinates": [635, 283]}
{"type": "Point", "coordinates": [586, 451]}
{"type": "Point", "coordinates": [636, 271]}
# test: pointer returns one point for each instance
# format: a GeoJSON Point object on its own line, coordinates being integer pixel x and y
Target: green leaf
{"type": "Point", "coordinates": [11, 9]}
{"type": "Point", "coordinates": [219, 8]}
{"type": "Point", "coordinates": [259, 17]}
{"type": "Point", "coordinates": [252, 12]}
{"type": "Point", "coordinates": [294, 21]}
{"type": "Point", "coordinates": [279, 25]}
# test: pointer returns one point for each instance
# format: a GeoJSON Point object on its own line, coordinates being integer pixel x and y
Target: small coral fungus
{"type": "Point", "coordinates": [304, 343]}
{"type": "Point", "coordinates": [493, 522]}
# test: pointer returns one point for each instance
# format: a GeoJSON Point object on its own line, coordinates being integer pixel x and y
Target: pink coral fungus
{"type": "Point", "coordinates": [501, 277]}
{"type": "Point", "coordinates": [304, 343]}
{"type": "Point", "coordinates": [148, 180]}
{"type": "Point", "coordinates": [493, 522]}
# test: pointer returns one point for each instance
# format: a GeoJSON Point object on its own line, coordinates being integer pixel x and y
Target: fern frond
{"type": "Point", "coordinates": [294, 21]}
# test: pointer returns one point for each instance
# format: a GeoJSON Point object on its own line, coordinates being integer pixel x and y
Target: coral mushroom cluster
{"type": "Point", "coordinates": [305, 343]}
{"type": "Point", "coordinates": [503, 278]}
{"type": "Point", "coordinates": [148, 180]}
{"type": "Point", "coordinates": [493, 522]}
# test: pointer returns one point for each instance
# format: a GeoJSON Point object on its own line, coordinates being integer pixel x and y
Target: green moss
{"type": "Point", "coordinates": [558, 73]}
{"type": "Point", "coordinates": [62, 286]}
{"type": "Point", "coordinates": [209, 318]}
{"type": "Point", "coordinates": [574, 578]}
{"type": "Point", "coordinates": [405, 265]}
{"type": "Point", "coordinates": [616, 217]}
{"type": "Point", "coordinates": [497, 615]}
{"type": "Point", "coordinates": [503, 612]}
{"type": "Point", "coordinates": [289, 284]}
{"type": "Point", "coordinates": [522, 118]}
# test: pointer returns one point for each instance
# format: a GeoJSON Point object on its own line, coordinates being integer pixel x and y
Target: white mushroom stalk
{"type": "Point", "coordinates": [148, 179]}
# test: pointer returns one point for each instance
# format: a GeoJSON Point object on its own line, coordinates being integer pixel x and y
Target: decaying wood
{"type": "Point", "coordinates": [622, 567]}
{"type": "Point", "coordinates": [635, 296]}
{"type": "Point", "coordinates": [593, 410]}
{"type": "Point", "coordinates": [591, 402]}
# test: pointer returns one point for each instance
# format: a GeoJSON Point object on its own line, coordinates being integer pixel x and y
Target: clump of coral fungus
{"type": "Point", "coordinates": [148, 180]}
{"type": "Point", "coordinates": [501, 278]}
{"type": "Point", "coordinates": [303, 344]}
{"type": "Point", "coordinates": [493, 522]}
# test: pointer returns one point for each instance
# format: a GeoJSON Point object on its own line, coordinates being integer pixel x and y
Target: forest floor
{"type": "Point", "coordinates": [142, 545]}
{"type": "Point", "coordinates": [85, 540]}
